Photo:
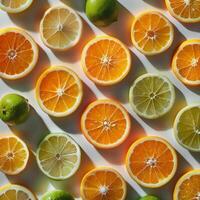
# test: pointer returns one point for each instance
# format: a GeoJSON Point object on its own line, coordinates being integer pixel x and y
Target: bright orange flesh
{"type": "Point", "coordinates": [59, 91]}
{"type": "Point", "coordinates": [106, 60]}
{"type": "Point", "coordinates": [151, 161]}
{"type": "Point", "coordinates": [105, 123]}
{"type": "Point", "coordinates": [13, 155]}
{"type": "Point", "coordinates": [103, 184]}
{"type": "Point", "coordinates": [186, 62]}
{"type": "Point", "coordinates": [152, 33]}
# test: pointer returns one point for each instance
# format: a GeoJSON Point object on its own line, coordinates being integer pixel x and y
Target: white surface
{"type": "Point", "coordinates": [39, 123]}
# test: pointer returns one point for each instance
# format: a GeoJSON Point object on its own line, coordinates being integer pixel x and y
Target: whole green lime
{"type": "Point", "coordinates": [14, 109]}
{"type": "Point", "coordinates": [149, 197]}
{"type": "Point", "coordinates": [102, 12]}
{"type": "Point", "coordinates": [57, 195]}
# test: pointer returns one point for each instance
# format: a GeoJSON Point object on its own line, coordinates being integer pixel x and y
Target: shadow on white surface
{"type": "Point", "coordinates": [78, 5]}
{"type": "Point", "coordinates": [156, 4]}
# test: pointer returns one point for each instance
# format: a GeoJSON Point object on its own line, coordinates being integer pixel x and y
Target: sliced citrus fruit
{"type": "Point", "coordinates": [186, 62]}
{"type": "Point", "coordinates": [184, 10]}
{"type": "Point", "coordinates": [58, 156]}
{"type": "Point", "coordinates": [14, 155]}
{"type": "Point", "coordinates": [188, 186]}
{"type": "Point", "coordinates": [152, 33]}
{"type": "Point", "coordinates": [151, 162]}
{"type": "Point", "coordinates": [152, 96]}
{"type": "Point", "coordinates": [18, 53]}
{"type": "Point", "coordinates": [106, 60]}
{"type": "Point", "coordinates": [103, 183]}
{"type": "Point", "coordinates": [105, 123]}
{"type": "Point", "coordinates": [59, 91]}
{"type": "Point", "coordinates": [60, 28]}
{"type": "Point", "coordinates": [187, 127]}
{"type": "Point", "coordinates": [15, 6]}
{"type": "Point", "coordinates": [15, 192]}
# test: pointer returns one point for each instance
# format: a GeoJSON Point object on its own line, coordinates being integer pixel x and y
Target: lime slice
{"type": "Point", "coordinates": [58, 156]}
{"type": "Point", "coordinates": [57, 195]}
{"type": "Point", "coordinates": [187, 127]}
{"type": "Point", "coordinates": [151, 96]}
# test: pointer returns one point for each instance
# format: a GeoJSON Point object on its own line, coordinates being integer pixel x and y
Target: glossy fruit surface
{"type": "Point", "coordinates": [57, 195]}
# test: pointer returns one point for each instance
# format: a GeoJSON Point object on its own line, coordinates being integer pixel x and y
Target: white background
{"type": "Point", "coordinates": [39, 123]}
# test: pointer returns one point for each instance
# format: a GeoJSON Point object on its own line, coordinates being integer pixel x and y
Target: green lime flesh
{"type": "Point", "coordinates": [149, 197]}
{"type": "Point", "coordinates": [57, 195]}
{"type": "Point", "coordinates": [102, 12]}
{"type": "Point", "coordinates": [14, 109]}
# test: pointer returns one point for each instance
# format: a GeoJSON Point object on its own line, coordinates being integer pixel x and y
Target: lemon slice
{"type": "Point", "coordinates": [60, 28]}
{"type": "Point", "coordinates": [58, 156]}
{"type": "Point", "coordinates": [15, 192]}
{"type": "Point", "coordinates": [15, 6]}
{"type": "Point", "coordinates": [152, 96]}
{"type": "Point", "coordinates": [187, 127]}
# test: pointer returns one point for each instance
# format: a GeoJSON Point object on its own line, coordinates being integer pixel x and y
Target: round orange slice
{"type": "Point", "coordinates": [187, 11]}
{"type": "Point", "coordinates": [18, 53]}
{"type": "Point", "coordinates": [186, 62]}
{"type": "Point", "coordinates": [152, 33]}
{"type": "Point", "coordinates": [59, 91]}
{"type": "Point", "coordinates": [14, 155]}
{"type": "Point", "coordinates": [188, 186]}
{"type": "Point", "coordinates": [103, 183]}
{"type": "Point", "coordinates": [106, 60]}
{"type": "Point", "coordinates": [151, 162]}
{"type": "Point", "coordinates": [105, 123]}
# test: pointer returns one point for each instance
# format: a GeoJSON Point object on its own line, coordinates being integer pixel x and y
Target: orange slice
{"type": "Point", "coordinates": [188, 186]}
{"type": "Point", "coordinates": [152, 33]}
{"type": "Point", "coordinates": [105, 123]}
{"type": "Point", "coordinates": [18, 53]}
{"type": "Point", "coordinates": [14, 155]}
{"type": "Point", "coordinates": [186, 62]}
{"type": "Point", "coordinates": [106, 60]}
{"type": "Point", "coordinates": [187, 11]}
{"type": "Point", "coordinates": [103, 183]}
{"type": "Point", "coordinates": [151, 162]}
{"type": "Point", "coordinates": [59, 91]}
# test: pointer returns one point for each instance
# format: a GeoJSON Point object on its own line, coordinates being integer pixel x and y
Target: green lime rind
{"type": "Point", "coordinates": [57, 195]}
{"type": "Point", "coordinates": [151, 96]}
{"type": "Point", "coordinates": [187, 128]}
{"type": "Point", "coordinates": [70, 160]}
{"type": "Point", "coordinates": [149, 197]}
{"type": "Point", "coordinates": [14, 109]}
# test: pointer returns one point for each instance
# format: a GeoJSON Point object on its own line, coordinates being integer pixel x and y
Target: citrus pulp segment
{"type": "Point", "coordinates": [18, 53]}
{"type": "Point", "coordinates": [151, 161]}
{"type": "Point", "coordinates": [184, 10]}
{"type": "Point", "coordinates": [15, 6]}
{"type": "Point", "coordinates": [186, 62]}
{"type": "Point", "coordinates": [59, 91]}
{"type": "Point", "coordinates": [187, 127]}
{"type": "Point", "coordinates": [152, 33]}
{"type": "Point", "coordinates": [15, 192]}
{"type": "Point", "coordinates": [60, 28]}
{"type": "Point", "coordinates": [152, 96]}
{"type": "Point", "coordinates": [58, 156]}
{"type": "Point", "coordinates": [103, 183]}
{"type": "Point", "coordinates": [188, 186]}
{"type": "Point", "coordinates": [14, 155]}
{"type": "Point", "coordinates": [106, 60]}
{"type": "Point", "coordinates": [105, 123]}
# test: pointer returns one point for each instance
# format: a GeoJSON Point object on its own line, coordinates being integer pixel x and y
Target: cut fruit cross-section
{"type": "Point", "coordinates": [151, 162]}
{"type": "Point", "coordinates": [59, 91]}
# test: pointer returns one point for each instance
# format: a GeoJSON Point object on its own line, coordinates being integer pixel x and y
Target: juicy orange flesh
{"type": "Point", "coordinates": [16, 53]}
{"type": "Point", "coordinates": [105, 123]}
{"type": "Point", "coordinates": [192, 186]}
{"type": "Point", "coordinates": [146, 151]}
{"type": "Point", "coordinates": [186, 11]}
{"type": "Point", "coordinates": [12, 155]}
{"type": "Point", "coordinates": [13, 4]}
{"type": "Point", "coordinates": [106, 60]}
{"type": "Point", "coordinates": [106, 179]}
{"type": "Point", "coordinates": [188, 62]}
{"type": "Point", "coordinates": [57, 83]}
{"type": "Point", "coordinates": [151, 32]}
{"type": "Point", "coordinates": [13, 194]}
